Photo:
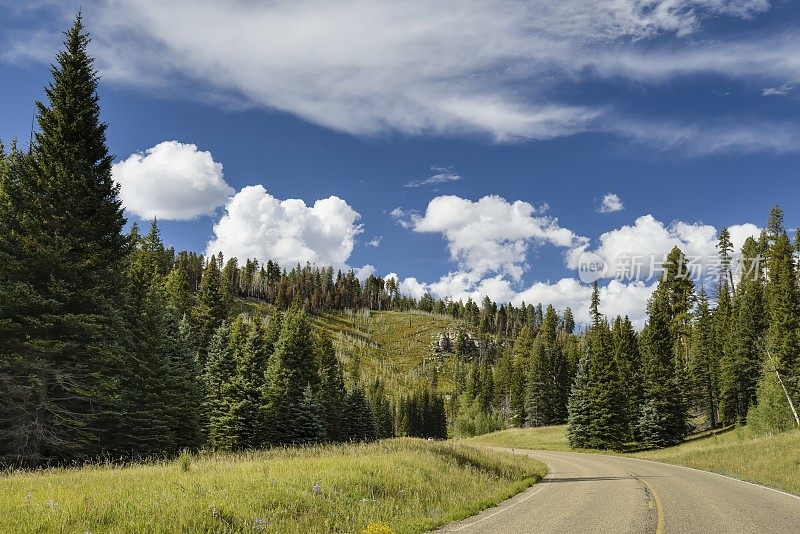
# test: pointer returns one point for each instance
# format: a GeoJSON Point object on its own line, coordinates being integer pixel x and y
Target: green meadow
{"type": "Point", "coordinates": [399, 485]}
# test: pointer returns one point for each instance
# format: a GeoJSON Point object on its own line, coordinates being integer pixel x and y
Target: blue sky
{"type": "Point", "coordinates": [684, 109]}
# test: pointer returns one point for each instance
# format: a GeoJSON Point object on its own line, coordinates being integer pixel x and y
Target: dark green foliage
{"type": "Point", "coordinates": [740, 367]}
{"type": "Point", "coordinates": [703, 364]}
{"type": "Point", "coordinates": [677, 285]}
{"type": "Point", "coordinates": [783, 309]}
{"type": "Point", "coordinates": [186, 390]}
{"type": "Point", "coordinates": [234, 378]}
{"type": "Point", "coordinates": [145, 422]}
{"type": "Point", "coordinates": [423, 415]}
{"type": "Point", "coordinates": [220, 370]}
{"type": "Point", "coordinates": [523, 347]}
{"type": "Point", "coordinates": [608, 426]}
{"type": "Point", "coordinates": [210, 310]}
{"type": "Point", "coordinates": [178, 291]}
{"type": "Point", "coordinates": [59, 294]}
{"type": "Point", "coordinates": [664, 417]}
{"type": "Point", "coordinates": [291, 369]}
{"type": "Point", "coordinates": [382, 411]}
{"type": "Point", "coordinates": [332, 394]}
{"type": "Point", "coordinates": [597, 408]}
{"type": "Point", "coordinates": [307, 426]}
{"type": "Point", "coordinates": [548, 376]}
{"type": "Point", "coordinates": [625, 345]}
{"type": "Point", "coordinates": [245, 393]}
{"type": "Point", "coordinates": [578, 432]}
{"type": "Point", "coordinates": [359, 423]}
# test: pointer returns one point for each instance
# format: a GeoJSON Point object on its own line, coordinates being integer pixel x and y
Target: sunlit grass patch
{"type": "Point", "coordinates": [406, 484]}
{"type": "Point", "coordinates": [773, 461]}
{"type": "Point", "coordinates": [551, 438]}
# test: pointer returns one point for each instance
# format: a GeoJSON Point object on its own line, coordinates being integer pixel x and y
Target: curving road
{"type": "Point", "coordinates": [588, 493]}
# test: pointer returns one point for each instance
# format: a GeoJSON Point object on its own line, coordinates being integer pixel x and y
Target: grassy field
{"type": "Point", "coordinates": [773, 461]}
{"type": "Point", "coordinates": [409, 485]}
{"type": "Point", "coordinates": [550, 438]}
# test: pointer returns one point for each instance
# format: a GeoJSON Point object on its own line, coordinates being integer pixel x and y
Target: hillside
{"type": "Point", "coordinates": [410, 485]}
{"type": "Point", "coordinates": [396, 347]}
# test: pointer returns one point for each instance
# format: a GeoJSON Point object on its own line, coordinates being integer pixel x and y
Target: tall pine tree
{"type": "Point", "coordinates": [66, 221]}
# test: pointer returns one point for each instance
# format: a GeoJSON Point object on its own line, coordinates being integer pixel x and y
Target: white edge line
{"type": "Point", "coordinates": [707, 472]}
{"type": "Point", "coordinates": [677, 465]}
{"type": "Point", "coordinates": [510, 506]}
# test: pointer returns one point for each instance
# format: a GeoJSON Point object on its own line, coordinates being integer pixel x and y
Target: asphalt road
{"type": "Point", "coordinates": [588, 493]}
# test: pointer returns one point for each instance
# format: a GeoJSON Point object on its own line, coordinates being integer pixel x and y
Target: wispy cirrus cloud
{"type": "Point", "coordinates": [442, 175]}
{"type": "Point", "coordinates": [456, 67]}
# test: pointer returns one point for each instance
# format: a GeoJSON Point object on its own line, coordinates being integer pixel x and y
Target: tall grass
{"type": "Point", "coordinates": [773, 461]}
{"type": "Point", "coordinates": [406, 484]}
{"type": "Point", "coordinates": [550, 438]}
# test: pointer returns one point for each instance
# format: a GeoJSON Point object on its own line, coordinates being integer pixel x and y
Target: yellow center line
{"type": "Point", "coordinates": [659, 507]}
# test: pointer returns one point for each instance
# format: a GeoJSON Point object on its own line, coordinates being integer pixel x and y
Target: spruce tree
{"type": "Point", "coordinates": [663, 420]}
{"type": "Point", "coordinates": [523, 346]}
{"type": "Point", "coordinates": [676, 282]}
{"type": "Point", "coordinates": [537, 392]}
{"type": "Point", "coordinates": [146, 394]}
{"type": "Point", "coordinates": [178, 292]}
{"type": "Point", "coordinates": [18, 384]}
{"type": "Point", "coordinates": [359, 421]}
{"type": "Point", "coordinates": [578, 433]}
{"type": "Point", "coordinates": [66, 221]}
{"type": "Point", "coordinates": [548, 378]}
{"type": "Point", "coordinates": [291, 369]}
{"type": "Point", "coordinates": [607, 424]}
{"type": "Point", "coordinates": [782, 305]}
{"type": "Point", "coordinates": [145, 401]}
{"type": "Point", "coordinates": [625, 347]}
{"type": "Point", "coordinates": [308, 426]}
{"type": "Point", "coordinates": [382, 411]}
{"type": "Point", "coordinates": [185, 379]}
{"type": "Point", "coordinates": [218, 374]}
{"type": "Point", "coordinates": [331, 388]}
{"type": "Point", "coordinates": [210, 310]}
{"type": "Point", "coordinates": [245, 408]}
{"type": "Point", "coordinates": [703, 364]}
{"type": "Point", "coordinates": [740, 368]}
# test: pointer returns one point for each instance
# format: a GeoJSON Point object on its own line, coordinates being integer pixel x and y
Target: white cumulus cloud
{"type": "Point", "coordinates": [258, 225]}
{"type": "Point", "coordinates": [171, 180]}
{"type": "Point", "coordinates": [492, 235]}
{"type": "Point", "coordinates": [611, 203]}
{"type": "Point", "coordinates": [637, 250]}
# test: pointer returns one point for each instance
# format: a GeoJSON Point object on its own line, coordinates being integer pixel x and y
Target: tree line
{"type": "Point", "coordinates": [698, 362]}
{"type": "Point", "coordinates": [112, 345]}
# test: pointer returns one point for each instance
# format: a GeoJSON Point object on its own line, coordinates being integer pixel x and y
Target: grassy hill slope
{"type": "Point", "coordinates": [391, 345]}
{"type": "Point", "coordinates": [410, 485]}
